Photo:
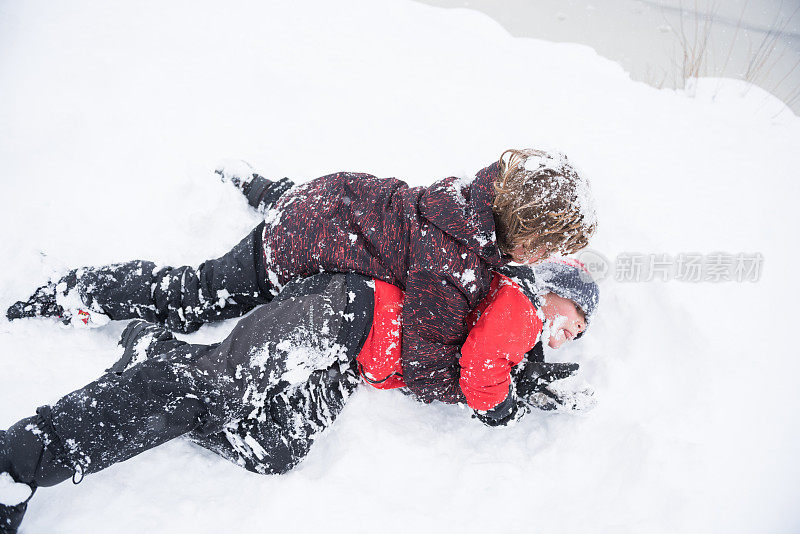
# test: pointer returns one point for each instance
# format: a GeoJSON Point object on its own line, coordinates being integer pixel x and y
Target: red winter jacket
{"type": "Point", "coordinates": [503, 327]}
{"type": "Point", "coordinates": [435, 243]}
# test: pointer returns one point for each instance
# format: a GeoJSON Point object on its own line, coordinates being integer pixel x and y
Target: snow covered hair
{"type": "Point", "coordinates": [542, 202]}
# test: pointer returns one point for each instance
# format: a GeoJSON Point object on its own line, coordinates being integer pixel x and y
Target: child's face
{"type": "Point", "coordinates": [528, 257]}
{"type": "Point", "coordinates": [563, 319]}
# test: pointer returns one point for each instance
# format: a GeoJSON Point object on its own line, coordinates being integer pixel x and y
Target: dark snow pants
{"type": "Point", "coordinates": [260, 398]}
{"type": "Point", "coordinates": [183, 298]}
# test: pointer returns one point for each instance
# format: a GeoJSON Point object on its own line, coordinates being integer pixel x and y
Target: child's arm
{"type": "Point", "coordinates": [434, 326]}
{"type": "Point", "coordinates": [506, 330]}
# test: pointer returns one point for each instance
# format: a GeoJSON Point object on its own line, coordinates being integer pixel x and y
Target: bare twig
{"type": "Point", "coordinates": [693, 57]}
{"type": "Point", "coordinates": [735, 35]}
{"type": "Point", "coordinates": [755, 68]}
{"type": "Point", "coordinates": [788, 73]}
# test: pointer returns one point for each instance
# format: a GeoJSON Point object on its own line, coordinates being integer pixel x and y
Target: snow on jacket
{"type": "Point", "coordinates": [503, 327]}
{"type": "Point", "coordinates": [436, 243]}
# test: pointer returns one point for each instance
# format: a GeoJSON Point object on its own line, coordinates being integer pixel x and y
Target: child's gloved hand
{"type": "Point", "coordinates": [558, 397]}
{"type": "Point", "coordinates": [537, 376]}
{"type": "Point", "coordinates": [542, 385]}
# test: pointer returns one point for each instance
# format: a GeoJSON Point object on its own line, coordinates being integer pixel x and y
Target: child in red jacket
{"type": "Point", "coordinates": [525, 308]}
{"type": "Point", "coordinates": [439, 244]}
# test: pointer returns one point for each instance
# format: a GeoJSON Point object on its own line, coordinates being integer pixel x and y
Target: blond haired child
{"type": "Point", "coordinates": [437, 243]}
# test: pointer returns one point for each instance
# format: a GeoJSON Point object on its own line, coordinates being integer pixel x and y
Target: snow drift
{"type": "Point", "coordinates": [114, 114]}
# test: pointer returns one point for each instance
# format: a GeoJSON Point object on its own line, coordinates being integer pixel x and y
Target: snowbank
{"type": "Point", "coordinates": [114, 114]}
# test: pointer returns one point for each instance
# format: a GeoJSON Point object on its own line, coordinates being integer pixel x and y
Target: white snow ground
{"type": "Point", "coordinates": [113, 115]}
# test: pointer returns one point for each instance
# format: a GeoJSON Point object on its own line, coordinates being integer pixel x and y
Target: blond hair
{"type": "Point", "coordinates": [542, 204]}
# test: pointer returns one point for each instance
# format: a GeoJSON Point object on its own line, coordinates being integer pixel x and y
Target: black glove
{"type": "Point", "coordinates": [531, 389]}
{"type": "Point", "coordinates": [536, 376]}
{"type": "Point", "coordinates": [533, 379]}
{"type": "Point", "coordinates": [502, 414]}
{"type": "Point", "coordinates": [552, 398]}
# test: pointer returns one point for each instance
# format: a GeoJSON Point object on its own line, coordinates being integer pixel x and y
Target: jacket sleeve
{"type": "Point", "coordinates": [434, 328]}
{"type": "Point", "coordinates": [506, 330]}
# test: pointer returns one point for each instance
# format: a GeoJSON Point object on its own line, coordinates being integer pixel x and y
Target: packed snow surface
{"type": "Point", "coordinates": [114, 116]}
{"type": "Point", "coordinates": [11, 492]}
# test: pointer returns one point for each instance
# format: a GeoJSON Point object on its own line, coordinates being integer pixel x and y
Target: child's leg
{"type": "Point", "coordinates": [183, 298]}
{"type": "Point", "coordinates": [110, 420]}
{"type": "Point", "coordinates": [297, 370]}
{"type": "Point", "coordinates": [176, 387]}
{"type": "Point", "coordinates": [275, 438]}
{"type": "Point", "coordinates": [153, 394]}
{"type": "Point", "coordinates": [282, 376]}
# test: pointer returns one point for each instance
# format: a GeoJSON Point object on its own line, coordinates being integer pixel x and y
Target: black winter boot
{"type": "Point", "coordinates": [236, 171]}
{"type": "Point", "coordinates": [13, 495]}
{"type": "Point", "coordinates": [261, 192]}
{"type": "Point", "coordinates": [11, 515]}
{"type": "Point", "coordinates": [41, 304]}
{"type": "Point", "coordinates": [66, 298]}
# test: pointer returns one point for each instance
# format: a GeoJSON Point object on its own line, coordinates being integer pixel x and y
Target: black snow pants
{"type": "Point", "coordinates": [183, 298]}
{"type": "Point", "coordinates": [259, 398]}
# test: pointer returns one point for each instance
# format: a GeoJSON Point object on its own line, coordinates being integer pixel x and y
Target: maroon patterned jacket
{"type": "Point", "coordinates": [436, 243]}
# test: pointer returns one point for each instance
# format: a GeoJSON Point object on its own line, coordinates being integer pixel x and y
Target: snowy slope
{"type": "Point", "coordinates": [113, 115]}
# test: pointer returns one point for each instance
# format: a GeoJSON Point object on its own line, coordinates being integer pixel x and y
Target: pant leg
{"type": "Point", "coordinates": [293, 372]}
{"type": "Point", "coordinates": [281, 376]}
{"type": "Point", "coordinates": [183, 298]}
{"type": "Point", "coordinates": [273, 440]}
{"type": "Point", "coordinates": [277, 381]}
{"type": "Point", "coordinates": [114, 418]}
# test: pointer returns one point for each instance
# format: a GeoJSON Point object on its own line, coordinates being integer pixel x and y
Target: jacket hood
{"type": "Point", "coordinates": [524, 277]}
{"type": "Point", "coordinates": [462, 208]}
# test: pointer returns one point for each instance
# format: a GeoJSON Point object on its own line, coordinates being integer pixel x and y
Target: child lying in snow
{"type": "Point", "coordinates": [262, 396]}
{"type": "Point", "coordinates": [438, 243]}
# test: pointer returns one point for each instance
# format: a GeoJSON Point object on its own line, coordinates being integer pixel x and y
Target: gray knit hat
{"type": "Point", "coordinates": [566, 277]}
{"type": "Point", "coordinates": [569, 278]}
